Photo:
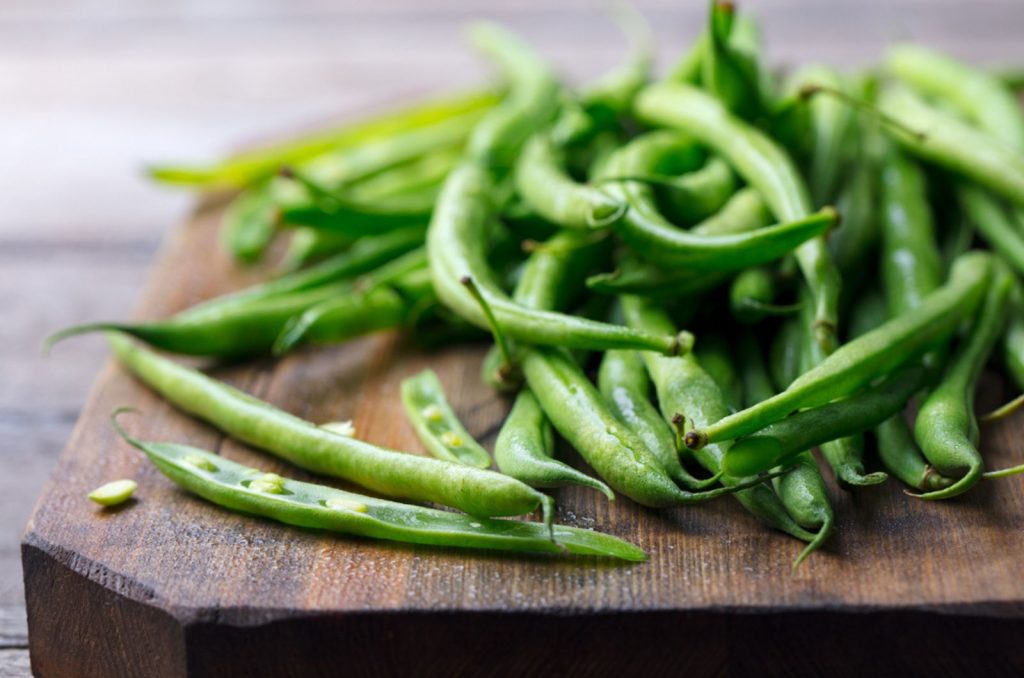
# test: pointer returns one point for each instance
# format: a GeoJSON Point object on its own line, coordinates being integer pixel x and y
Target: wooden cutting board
{"type": "Point", "coordinates": [169, 585]}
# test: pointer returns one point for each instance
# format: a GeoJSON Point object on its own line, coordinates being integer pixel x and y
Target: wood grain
{"type": "Point", "coordinates": [171, 570]}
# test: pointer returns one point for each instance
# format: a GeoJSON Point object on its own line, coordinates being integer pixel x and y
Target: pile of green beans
{"type": "Point", "coordinates": [694, 280]}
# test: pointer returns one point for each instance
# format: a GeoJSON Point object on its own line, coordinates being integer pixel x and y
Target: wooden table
{"type": "Point", "coordinates": [93, 90]}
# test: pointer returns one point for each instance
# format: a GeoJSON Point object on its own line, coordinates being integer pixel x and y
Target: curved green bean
{"type": "Point", "coordinates": [946, 428]}
{"type": "Point", "coordinates": [622, 380]}
{"type": "Point", "coordinates": [456, 246]}
{"type": "Point", "coordinates": [525, 450]}
{"type": "Point", "coordinates": [436, 424]}
{"type": "Point", "coordinates": [546, 186]}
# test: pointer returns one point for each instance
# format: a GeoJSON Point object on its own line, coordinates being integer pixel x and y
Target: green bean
{"type": "Point", "coordinates": [544, 183]}
{"type": "Point", "coordinates": [896, 447]}
{"type": "Point", "coordinates": [579, 414]}
{"type": "Point", "coordinates": [744, 211]}
{"type": "Point", "coordinates": [647, 231]}
{"type": "Point", "coordinates": [525, 450]}
{"type": "Point", "coordinates": [359, 312]}
{"type": "Point", "coordinates": [234, 331]}
{"type": "Point", "coordinates": [730, 74]}
{"type": "Point", "coordinates": [786, 354]}
{"type": "Point", "coordinates": [778, 442]}
{"type": "Point", "coordinates": [456, 245]}
{"type": "Point", "coordinates": [363, 256]}
{"type": "Point", "coordinates": [1013, 340]}
{"type": "Point", "coordinates": [114, 493]}
{"type": "Point", "coordinates": [436, 424]}
{"type": "Point", "coordinates": [752, 296]}
{"type": "Point", "coordinates": [845, 455]}
{"type": "Point", "coordinates": [715, 358]}
{"type": "Point", "coordinates": [979, 95]}
{"type": "Point", "coordinates": [911, 262]}
{"type": "Point", "coordinates": [939, 137]}
{"type": "Point", "coordinates": [996, 226]}
{"type": "Point", "coordinates": [688, 68]}
{"type": "Point", "coordinates": [356, 219]}
{"type": "Point", "coordinates": [623, 381]}
{"type": "Point", "coordinates": [831, 123]}
{"type": "Point", "coordinates": [475, 491]}
{"type": "Point", "coordinates": [681, 386]}
{"type": "Point", "coordinates": [531, 102]}
{"type": "Point", "coordinates": [250, 491]}
{"type": "Point", "coordinates": [765, 166]}
{"type": "Point", "coordinates": [424, 174]}
{"type": "Point", "coordinates": [254, 166]}
{"type": "Point", "coordinates": [858, 203]}
{"type": "Point", "coordinates": [632, 276]}
{"type": "Point", "coordinates": [946, 428]}
{"type": "Point", "coordinates": [801, 489]}
{"type": "Point", "coordinates": [700, 194]}
{"type": "Point", "coordinates": [860, 361]}
{"type": "Point", "coordinates": [369, 169]}
{"type": "Point", "coordinates": [310, 245]}
{"type": "Point", "coordinates": [249, 224]}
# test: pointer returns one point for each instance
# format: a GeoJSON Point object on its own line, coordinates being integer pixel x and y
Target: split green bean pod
{"type": "Point", "coordinates": [436, 424]}
{"type": "Point", "coordinates": [765, 166]}
{"type": "Point", "coordinates": [858, 362]}
{"type": "Point", "coordinates": [946, 428]}
{"type": "Point", "coordinates": [250, 491]}
{"type": "Point", "coordinates": [475, 491]}
{"type": "Point", "coordinates": [457, 246]}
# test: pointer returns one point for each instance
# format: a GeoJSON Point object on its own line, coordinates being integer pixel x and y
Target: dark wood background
{"type": "Point", "coordinates": [90, 91]}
